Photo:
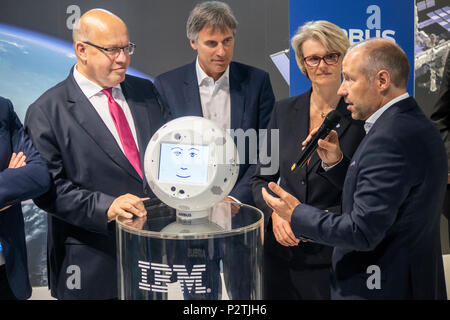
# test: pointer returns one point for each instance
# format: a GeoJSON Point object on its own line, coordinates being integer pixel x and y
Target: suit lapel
{"type": "Point", "coordinates": [300, 128]}
{"type": "Point", "coordinates": [238, 87]}
{"type": "Point", "coordinates": [303, 106]}
{"type": "Point", "coordinates": [298, 124]}
{"type": "Point", "coordinates": [400, 106]}
{"type": "Point", "coordinates": [86, 116]}
{"type": "Point", "coordinates": [143, 122]}
{"type": "Point", "coordinates": [191, 92]}
{"type": "Point", "coordinates": [302, 109]}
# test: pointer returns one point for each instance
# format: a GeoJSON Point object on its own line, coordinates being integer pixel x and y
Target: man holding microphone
{"type": "Point", "coordinates": [386, 240]}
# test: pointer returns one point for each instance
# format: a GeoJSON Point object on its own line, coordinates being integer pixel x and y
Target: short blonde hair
{"type": "Point", "coordinates": [330, 35]}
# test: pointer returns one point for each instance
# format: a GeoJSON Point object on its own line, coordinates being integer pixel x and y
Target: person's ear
{"type": "Point", "coordinates": [383, 79]}
{"type": "Point", "coordinates": [193, 44]}
{"type": "Point", "coordinates": [80, 51]}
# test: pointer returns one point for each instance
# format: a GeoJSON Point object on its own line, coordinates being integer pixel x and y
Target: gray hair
{"type": "Point", "coordinates": [382, 54]}
{"type": "Point", "coordinates": [330, 35]}
{"type": "Point", "coordinates": [212, 14]}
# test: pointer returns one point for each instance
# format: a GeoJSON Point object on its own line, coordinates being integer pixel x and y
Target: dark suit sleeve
{"type": "Point", "coordinates": [336, 175]}
{"type": "Point", "coordinates": [382, 184]}
{"type": "Point", "coordinates": [266, 102]}
{"type": "Point", "coordinates": [162, 99]}
{"type": "Point", "coordinates": [441, 111]}
{"type": "Point", "coordinates": [67, 201]}
{"type": "Point", "coordinates": [260, 179]}
{"type": "Point", "coordinates": [26, 182]}
{"type": "Point", "coordinates": [243, 189]}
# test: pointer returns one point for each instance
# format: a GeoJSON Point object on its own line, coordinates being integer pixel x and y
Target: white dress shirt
{"type": "Point", "coordinates": [100, 103]}
{"type": "Point", "coordinates": [215, 97]}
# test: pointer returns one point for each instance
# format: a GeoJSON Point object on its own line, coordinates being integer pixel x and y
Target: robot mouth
{"type": "Point", "coordinates": [184, 177]}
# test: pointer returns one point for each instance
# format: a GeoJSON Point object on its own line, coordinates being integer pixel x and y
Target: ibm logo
{"type": "Point", "coordinates": [162, 273]}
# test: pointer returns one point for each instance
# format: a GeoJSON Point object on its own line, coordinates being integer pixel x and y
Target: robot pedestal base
{"type": "Point", "coordinates": [212, 258]}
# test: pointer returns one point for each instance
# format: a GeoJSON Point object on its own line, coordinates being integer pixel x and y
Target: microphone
{"type": "Point", "coordinates": [330, 122]}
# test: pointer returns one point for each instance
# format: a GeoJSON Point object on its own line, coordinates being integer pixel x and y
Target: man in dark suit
{"type": "Point", "coordinates": [386, 240]}
{"type": "Point", "coordinates": [441, 118]}
{"type": "Point", "coordinates": [23, 175]}
{"type": "Point", "coordinates": [305, 267]}
{"type": "Point", "coordinates": [234, 95]}
{"type": "Point", "coordinates": [92, 129]}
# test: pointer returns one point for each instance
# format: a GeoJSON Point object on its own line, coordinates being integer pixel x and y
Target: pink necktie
{"type": "Point", "coordinates": [125, 135]}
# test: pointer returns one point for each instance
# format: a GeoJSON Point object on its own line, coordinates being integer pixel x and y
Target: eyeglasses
{"type": "Point", "coordinates": [329, 59]}
{"type": "Point", "coordinates": [115, 52]}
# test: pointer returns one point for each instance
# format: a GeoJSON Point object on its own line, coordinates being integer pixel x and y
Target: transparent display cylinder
{"type": "Point", "coordinates": [218, 257]}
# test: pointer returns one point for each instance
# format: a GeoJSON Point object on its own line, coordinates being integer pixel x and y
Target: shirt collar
{"type": "Point", "coordinates": [374, 117]}
{"type": "Point", "coordinates": [202, 76]}
{"type": "Point", "coordinates": [88, 87]}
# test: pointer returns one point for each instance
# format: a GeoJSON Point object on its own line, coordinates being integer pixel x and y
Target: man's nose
{"type": "Point", "coordinates": [342, 90]}
{"type": "Point", "coordinates": [220, 50]}
{"type": "Point", "coordinates": [122, 57]}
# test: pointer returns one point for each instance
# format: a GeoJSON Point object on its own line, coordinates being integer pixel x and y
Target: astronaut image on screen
{"type": "Point", "coordinates": [183, 163]}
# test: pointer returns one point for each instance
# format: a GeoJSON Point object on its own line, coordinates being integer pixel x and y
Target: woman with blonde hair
{"type": "Point", "coordinates": [295, 269]}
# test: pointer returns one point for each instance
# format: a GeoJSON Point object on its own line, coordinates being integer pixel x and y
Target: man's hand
{"type": "Point", "coordinates": [283, 232]}
{"type": "Point", "coordinates": [235, 207]}
{"type": "Point", "coordinates": [137, 223]}
{"type": "Point", "coordinates": [328, 149]}
{"type": "Point", "coordinates": [17, 160]}
{"type": "Point", "coordinates": [126, 206]}
{"type": "Point", "coordinates": [284, 205]}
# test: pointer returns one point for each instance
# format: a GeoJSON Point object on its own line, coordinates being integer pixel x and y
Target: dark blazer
{"type": "Point", "coordinates": [441, 118]}
{"type": "Point", "coordinates": [251, 98]}
{"type": "Point", "coordinates": [16, 185]}
{"type": "Point", "coordinates": [391, 202]}
{"type": "Point", "coordinates": [89, 171]}
{"type": "Point", "coordinates": [291, 118]}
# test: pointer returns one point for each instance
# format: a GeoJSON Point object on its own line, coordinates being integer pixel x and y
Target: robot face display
{"type": "Point", "coordinates": [191, 164]}
{"type": "Point", "coordinates": [183, 163]}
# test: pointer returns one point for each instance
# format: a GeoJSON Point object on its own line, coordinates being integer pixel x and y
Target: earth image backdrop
{"type": "Point", "coordinates": [30, 64]}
